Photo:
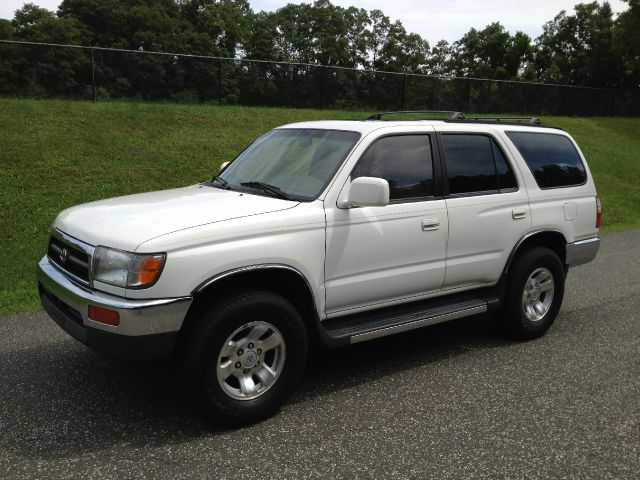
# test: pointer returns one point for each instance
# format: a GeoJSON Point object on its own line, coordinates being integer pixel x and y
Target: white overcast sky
{"type": "Point", "coordinates": [433, 19]}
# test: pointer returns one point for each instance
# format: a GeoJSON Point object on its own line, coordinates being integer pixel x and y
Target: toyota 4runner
{"type": "Point", "coordinates": [331, 231]}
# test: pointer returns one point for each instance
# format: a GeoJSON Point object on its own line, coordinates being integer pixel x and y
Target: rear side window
{"type": "Point", "coordinates": [506, 179]}
{"type": "Point", "coordinates": [552, 159]}
{"type": "Point", "coordinates": [405, 161]}
{"type": "Point", "coordinates": [475, 163]}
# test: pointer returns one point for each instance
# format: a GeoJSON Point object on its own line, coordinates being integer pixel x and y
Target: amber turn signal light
{"type": "Point", "coordinates": [145, 270]}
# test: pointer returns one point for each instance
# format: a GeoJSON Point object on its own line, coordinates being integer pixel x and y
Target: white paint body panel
{"type": "Point", "coordinates": [195, 255]}
{"type": "Point", "coordinates": [482, 233]}
{"type": "Point", "coordinates": [126, 222]}
{"type": "Point", "coordinates": [376, 255]}
{"type": "Point", "coordinates": [547, 205]}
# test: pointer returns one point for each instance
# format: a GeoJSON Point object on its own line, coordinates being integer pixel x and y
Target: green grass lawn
{"type": "Point", "coordinates": [54, 154]}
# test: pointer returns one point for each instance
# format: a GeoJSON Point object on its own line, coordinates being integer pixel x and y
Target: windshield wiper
{"type": "Point", "coordinates": [265, 187]}
{"type": "Point", "coordinates": [223, 183]}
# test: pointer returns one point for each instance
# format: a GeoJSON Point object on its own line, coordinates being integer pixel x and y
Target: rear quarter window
{"type": "Point", "coordinates": [553, 159]}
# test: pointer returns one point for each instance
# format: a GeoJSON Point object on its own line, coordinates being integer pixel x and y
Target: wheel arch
{"type": "Point", "coordinates": [281, 279]}
{"type": "Point", "coordinates": [550, 238]}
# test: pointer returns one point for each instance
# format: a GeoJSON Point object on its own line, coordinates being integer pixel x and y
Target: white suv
{"type": "Point", "coordinates": [338, 231]}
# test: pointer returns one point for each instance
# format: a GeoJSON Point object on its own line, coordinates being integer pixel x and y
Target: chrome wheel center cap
{"type": "Point", "coordinates": [250, 359]}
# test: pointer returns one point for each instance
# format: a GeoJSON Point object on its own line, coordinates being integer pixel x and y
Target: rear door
{"type": "Point", "coordinates": [487, 205]}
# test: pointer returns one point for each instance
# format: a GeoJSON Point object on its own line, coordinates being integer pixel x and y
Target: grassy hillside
{"type": "Point", "coordinates": [54, 154]}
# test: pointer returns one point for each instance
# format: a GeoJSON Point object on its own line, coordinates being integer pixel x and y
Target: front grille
{"type": "Point", "coordinates": [69, 258]}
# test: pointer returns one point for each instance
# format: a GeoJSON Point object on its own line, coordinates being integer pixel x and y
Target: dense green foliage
{"type": "Point", "coordinates": [589, 47]}
{"type": "Point", "coordinates": [56, 154]}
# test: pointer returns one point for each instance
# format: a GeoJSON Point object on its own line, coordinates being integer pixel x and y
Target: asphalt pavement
{"type": "Point", "coordinates": [455, 400]}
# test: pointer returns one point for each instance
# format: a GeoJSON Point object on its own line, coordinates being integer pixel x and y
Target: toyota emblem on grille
{"type": "Point", "coordinates": [64, 253]}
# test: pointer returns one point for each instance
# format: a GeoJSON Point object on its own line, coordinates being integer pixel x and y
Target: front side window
{"type": "Point", "coordinates": [299, 163]}
{"type": "Point", "coordinates": [552, 159]}
{"type": "Point", "coordinates": [475, 163]}
{"type": "Point", "coordinates": [405, 161]}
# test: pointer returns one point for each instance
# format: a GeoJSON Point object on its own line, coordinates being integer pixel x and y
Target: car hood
{"type": "Point", "coordinates": [126, 222]}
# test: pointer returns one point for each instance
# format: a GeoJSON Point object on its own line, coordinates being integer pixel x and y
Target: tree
{"type": "Point", "coordinates": [226, 22]}
{"type": "Point", "coordinates": [440, 59]}
{"type": "Point", "coordinates": [129, 24]}
{"type": "Point", "coordinates": [627, 44]}
{"type": "Point", "coordinates": [578, 49]}
{"type": "Point", "coordinates": [39, 71]}
{"type": "Point", "coordinates": [6, 29]}
{"type": "Point", "coordinates": [491, 53]}
{"type": "Point", "coordinates": [587, 47]}
{"type": "Point", "coordinates": [358, 23]}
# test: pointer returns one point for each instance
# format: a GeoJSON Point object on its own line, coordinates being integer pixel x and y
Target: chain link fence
{"type": "Point", "coordinates": [45, 70]}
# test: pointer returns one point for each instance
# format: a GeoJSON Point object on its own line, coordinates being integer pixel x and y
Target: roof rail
{"type": "Point", "coordinates": [452, 115]}
{"type": "Point", "coordinates": [529, 120]}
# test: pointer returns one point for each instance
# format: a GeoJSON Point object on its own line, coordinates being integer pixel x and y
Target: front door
{"type": "Point", "coordinates": [396, 253]}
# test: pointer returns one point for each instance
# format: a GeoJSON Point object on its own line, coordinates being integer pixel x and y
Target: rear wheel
{"type": "Point", "coordinates": [535, 287]}
{"type": "Point", "coordinates": [244, 356]}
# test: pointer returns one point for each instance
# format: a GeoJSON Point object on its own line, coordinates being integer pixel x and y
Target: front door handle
{"type": "Point", "coordinates": [518, 213]}
{"type": "Point", "coordinates": [430, 223]}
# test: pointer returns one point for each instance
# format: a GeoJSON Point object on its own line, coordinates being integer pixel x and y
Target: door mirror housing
{"type": "Point", "coordinates": [223, 166]}
{"type": "Point", "coordinates": [367, 192]}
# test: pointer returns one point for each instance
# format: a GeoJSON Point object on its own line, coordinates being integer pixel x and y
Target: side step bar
{"type": "Point", "coordinates": [388, 321]}
{"type": "Point", "coordinates": [422, 322]}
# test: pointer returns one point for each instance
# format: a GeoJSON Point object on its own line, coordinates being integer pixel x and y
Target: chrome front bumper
{"type": "Point", "coordinates": [582, 252]}
{"type": "Point", "coordinates": [147, 328]}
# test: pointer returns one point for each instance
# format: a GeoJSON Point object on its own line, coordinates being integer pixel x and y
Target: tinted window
{"type": "Point", "coordinates": [470, 165]}
{"type": "Point", "coordinates": [404, 161]}
{"type": "Point", "coordinates": [553, 159]}
{"type": "Point", "coordinates": [506, 179]}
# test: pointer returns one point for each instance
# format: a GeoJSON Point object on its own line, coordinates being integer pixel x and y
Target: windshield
{"type": "Point", "coordinates": [298, 162]}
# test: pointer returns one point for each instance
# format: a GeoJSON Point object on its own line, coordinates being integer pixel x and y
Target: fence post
{"type": "Point", "coordinates": [93, 74]}
{"type": "Point", "coordinates": [322, 69]}
{"type": "Point", "coordinates": [220, 81]}
{"type": "Point", "coordinates": [468, 95]}
{"type": "Point", "coordinates": [613, 103]}
{"type": "Point", "coordinates": [404, 90]}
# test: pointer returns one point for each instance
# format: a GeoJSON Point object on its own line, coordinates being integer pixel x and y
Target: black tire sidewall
{"type": "Point", "coordinates": [215, 329]}
{"type": "Point", "coordinates": [519, 325]}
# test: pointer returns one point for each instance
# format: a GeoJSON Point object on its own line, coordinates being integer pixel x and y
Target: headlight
{"type": "Point", "coordinates": [125, 269]}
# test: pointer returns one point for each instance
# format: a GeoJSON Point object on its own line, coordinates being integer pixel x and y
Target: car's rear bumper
{"type": "Point", "coordinates": [147, 329]}
{"type": "Point", "coordinates": [582, 251]}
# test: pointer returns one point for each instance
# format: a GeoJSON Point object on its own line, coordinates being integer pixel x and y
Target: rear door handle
{"type": "Point", "coordinates": [518, 213]}
{"type": "Point", "coordinates": [430, 223]}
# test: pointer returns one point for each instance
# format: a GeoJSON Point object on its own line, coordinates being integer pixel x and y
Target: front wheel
{"type": "Point", "coordinates": [535, 287]}
{"type": "Point", "coordinates": [244, 356]}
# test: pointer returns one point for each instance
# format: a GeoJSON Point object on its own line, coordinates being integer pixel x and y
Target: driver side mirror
{"type": "Point", "coordinates": [367, 192]}
{"type": "Point", "coordinates": [223, 166]}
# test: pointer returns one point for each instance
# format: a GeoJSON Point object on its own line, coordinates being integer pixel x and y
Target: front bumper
{"type": "Point", "coordinates": [147, 330]}
{"type": "Point", "coordinates": [582, 251]}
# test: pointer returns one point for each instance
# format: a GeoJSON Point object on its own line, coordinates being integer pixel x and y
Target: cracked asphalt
{"type": "Point", "coordinates": [455, 400]}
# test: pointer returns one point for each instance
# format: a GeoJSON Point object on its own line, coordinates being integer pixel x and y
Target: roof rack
{"type": "Point", "coordinates": [452, 115]}
{"type": "Point", "coordinates": [529, 120]}
{"type": "Point", "coordinates": [456, 117]}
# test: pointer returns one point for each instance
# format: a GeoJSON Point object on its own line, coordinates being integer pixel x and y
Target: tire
{"type": "Point", "coordinates": [234, 380]}
{"type": "Point", "coordinates": [535, 287]}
